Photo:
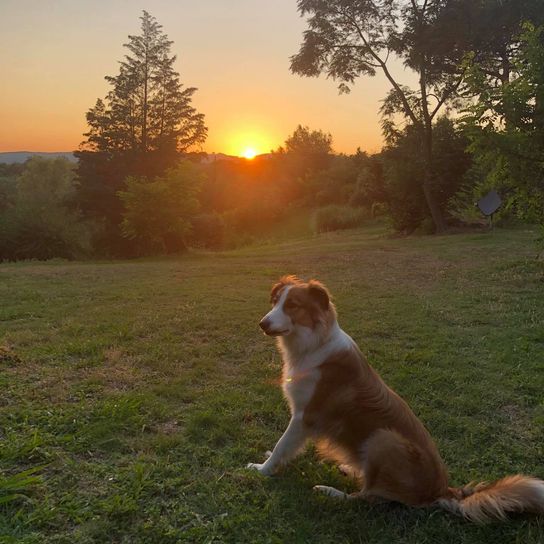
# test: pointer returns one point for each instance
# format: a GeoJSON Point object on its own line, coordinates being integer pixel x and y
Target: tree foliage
{"type": "Point", "coordinates": [39, 221]}
{"type": "Point", "coordinates": [403, 169]}
{"type": "Point", "coordinates": [157, 213]}
{"type": "Point", "coordinates": [147, 108]}
{"type": "Point", "coordinates": [139, 129]}
{"type": "Point", "coordinates": [310, 143]}
{"type": "Point", "coordinates": [347, 39]}
{"type": "Point", "coordinates": [506, 129]}
{"type": "Point", "coordinates": [306, 152]}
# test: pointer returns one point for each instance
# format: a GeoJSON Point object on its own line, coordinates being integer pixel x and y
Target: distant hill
{"type": "Point", "coordinates": [207, 158]}
{"type": "Point", "coordinates": [22, 156]}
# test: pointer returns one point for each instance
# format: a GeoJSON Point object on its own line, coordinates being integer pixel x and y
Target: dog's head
{"type": "Point", "coordinates": [297, 304]}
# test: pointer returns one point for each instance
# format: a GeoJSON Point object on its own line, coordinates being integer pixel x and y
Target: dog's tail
{"type": "Point", "coordinates": [484, 502]}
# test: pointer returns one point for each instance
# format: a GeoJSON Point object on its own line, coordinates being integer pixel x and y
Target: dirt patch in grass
{"type": "Point", "coordinates": [169, 427]}
{"type": "Point", "coordinates": [8, 357]}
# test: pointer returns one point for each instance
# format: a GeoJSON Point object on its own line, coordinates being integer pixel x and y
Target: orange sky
{"type": "Point", "coordinates": [54, 55]}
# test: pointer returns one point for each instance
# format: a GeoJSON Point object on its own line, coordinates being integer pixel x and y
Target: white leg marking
{"type": "Point", "coordinates": [287, 447]}
{"type": "Point", "coordinates": [331, 492]}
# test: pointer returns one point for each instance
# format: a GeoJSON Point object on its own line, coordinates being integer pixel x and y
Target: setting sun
{"type": "Point", "coordinates": [249, 153]}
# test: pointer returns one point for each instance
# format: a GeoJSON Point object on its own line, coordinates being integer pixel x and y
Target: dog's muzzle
{"type": "Point", "coordinates": [266, 326]}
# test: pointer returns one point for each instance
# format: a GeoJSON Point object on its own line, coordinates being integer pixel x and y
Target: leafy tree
{"type": "Point", "coordinates": [350, 38]}
{"type": "Point", "coordinates": [403, 168]}
{"type": "Point", "coordinates": [41, 223]}
{"type": "Point", "coordinates": [369, 189]}
{"type": "Point", "coordinates": [157, 213]}
{"type": "Point", "coordinates": [306, 152]}
{"type": "Point", "coordinates": [313, 143]}
{"type": "Point", "coordinates": [490, 30]}
{"type": "Point", "coordinates": [139, 129]}
{"type": "Point", "coordinates": [506, 129]}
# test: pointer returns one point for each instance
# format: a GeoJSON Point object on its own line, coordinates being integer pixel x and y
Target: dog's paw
{"type": "Point", "coordinates": [330, 491]}
{"type": "Point", "coordinates": [268, 454]}
{"type": "Point", "coordinates": [261, 468]}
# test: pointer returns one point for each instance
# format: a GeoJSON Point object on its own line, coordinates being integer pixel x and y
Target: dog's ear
{"type": "Point", "coordinates": [319, 293]}
{"type": "Point", "coordinates": [285, 280]}
{"type": "Point", "coordinates": [275, 290]}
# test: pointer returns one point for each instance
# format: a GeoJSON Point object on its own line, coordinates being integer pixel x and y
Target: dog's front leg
{"type": "Point", "coordinates": [291, 442]}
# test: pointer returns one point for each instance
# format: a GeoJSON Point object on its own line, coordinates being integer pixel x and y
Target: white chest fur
{"type": "Point", "coordinates": [298, 387]}
{"type": "Point", "coordinates": [301, 371]}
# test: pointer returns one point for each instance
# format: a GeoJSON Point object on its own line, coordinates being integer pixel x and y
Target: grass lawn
{"type": "Point", "coordinates": [143, 388]}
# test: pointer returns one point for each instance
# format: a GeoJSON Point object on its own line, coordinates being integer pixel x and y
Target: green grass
{"type": "Point", "coordinates": [143, 388]}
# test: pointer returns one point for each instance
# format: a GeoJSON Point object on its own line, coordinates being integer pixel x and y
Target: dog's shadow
{"type": "Point", "coordinates": [317, 517]}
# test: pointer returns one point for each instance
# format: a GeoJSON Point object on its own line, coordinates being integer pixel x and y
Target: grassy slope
{"type": "Point", "coordinates": [146, 387]}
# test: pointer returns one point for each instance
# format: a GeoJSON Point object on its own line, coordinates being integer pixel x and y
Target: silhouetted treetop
{"type": "Point", "coordinates": [147, 108]}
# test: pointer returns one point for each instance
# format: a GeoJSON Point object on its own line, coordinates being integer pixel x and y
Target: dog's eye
{"type": "Point", "coordinates": [290, 305]}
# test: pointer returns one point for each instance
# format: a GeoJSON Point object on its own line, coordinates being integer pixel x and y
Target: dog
{"type": "Point", "coordinates": [339, 401]}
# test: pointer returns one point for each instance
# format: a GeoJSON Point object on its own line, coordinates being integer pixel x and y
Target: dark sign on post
{"type": "Point", "coordinates": [489, 204]}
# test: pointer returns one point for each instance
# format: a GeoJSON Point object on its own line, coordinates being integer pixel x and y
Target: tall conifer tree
{"type": "Point", "coordinates": [147, 108]}
{"type": "Point", "coordinates": [139, 129]}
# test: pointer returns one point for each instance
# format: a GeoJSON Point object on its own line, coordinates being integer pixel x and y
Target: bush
{"type": "Point", "coordinates": [157, 213]}
{"type": "Point", "coordinates": [333, 217]}
{"type": "Point", "coordinates": [208, 231]}
{"type": "Point", "coordinates": [254, 219]}
{"type": "Point", "coordinates": [26, 233]}
{"type": "Point", "coordinates": [37, 216]}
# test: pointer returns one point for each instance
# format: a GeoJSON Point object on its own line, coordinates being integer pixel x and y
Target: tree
{"type": "Point", "coordinates": [147, 108]}
{"type": "Point", "coordinates": [304, 141]}
{"type": "Point", "coordinates": [369, 190]}
{"type": "Point", "coordinates": [157, 213]}
{"type": "Point", "coordinates": [139, 129]}
{"type": "Point", "coordinates": [306, 152]}
{"type": "Point", "coordinates": [404, 167]}
{"type": "Point", "coordinates": [506, 129]}
{"type": "Point", "coordinates": [491, 30]}
{"type": "Point", "coordinates": [40, 221]}
{"type": "Point", "coordinates": [351, 38]}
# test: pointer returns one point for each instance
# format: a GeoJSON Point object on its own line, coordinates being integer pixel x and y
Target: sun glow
{"type": "Point", "coordinates": [249, 153]}
{"type": "Point", "coordinates": [248, 141]}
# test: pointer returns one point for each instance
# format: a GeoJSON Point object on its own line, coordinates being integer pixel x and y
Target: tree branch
{"type": "Point", "coordinates": [447, 94]}
{"type": "Point", "coordinates": [347, 46]}
{"type": "Point", "coordinates": [408, 110]}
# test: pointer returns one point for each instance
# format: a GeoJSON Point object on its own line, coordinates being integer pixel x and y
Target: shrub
{"type": "Point", "coordinates": [333, 217]}
{"type": "Point", "coordinates": [37, 216]}
{"type": "Point", "coordinates": [208, 231]}
{"type": "Point", "coordinates": [157, 213]}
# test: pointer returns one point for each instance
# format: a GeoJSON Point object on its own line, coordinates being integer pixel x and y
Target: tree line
{"type": "Point", "coordinates": [475, 121]}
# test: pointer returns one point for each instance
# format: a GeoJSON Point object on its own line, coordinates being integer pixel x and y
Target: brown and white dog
{"type": "Point", "coordinates": [340, 402]}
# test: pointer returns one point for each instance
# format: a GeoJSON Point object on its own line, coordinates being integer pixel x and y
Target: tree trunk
{"type": "Point", "coordinates": [428, 181]}
{"type": "Point", "coordinates": [144, 120]}
{"type": "Point", "coordinates": [426, 135]}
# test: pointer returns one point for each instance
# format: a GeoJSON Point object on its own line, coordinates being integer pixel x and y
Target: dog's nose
{"type": "Point", "coordinates": [264, 324]}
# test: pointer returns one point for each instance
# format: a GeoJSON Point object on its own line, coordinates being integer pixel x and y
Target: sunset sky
{"type": "Point", "coordinates": [54, 55]}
